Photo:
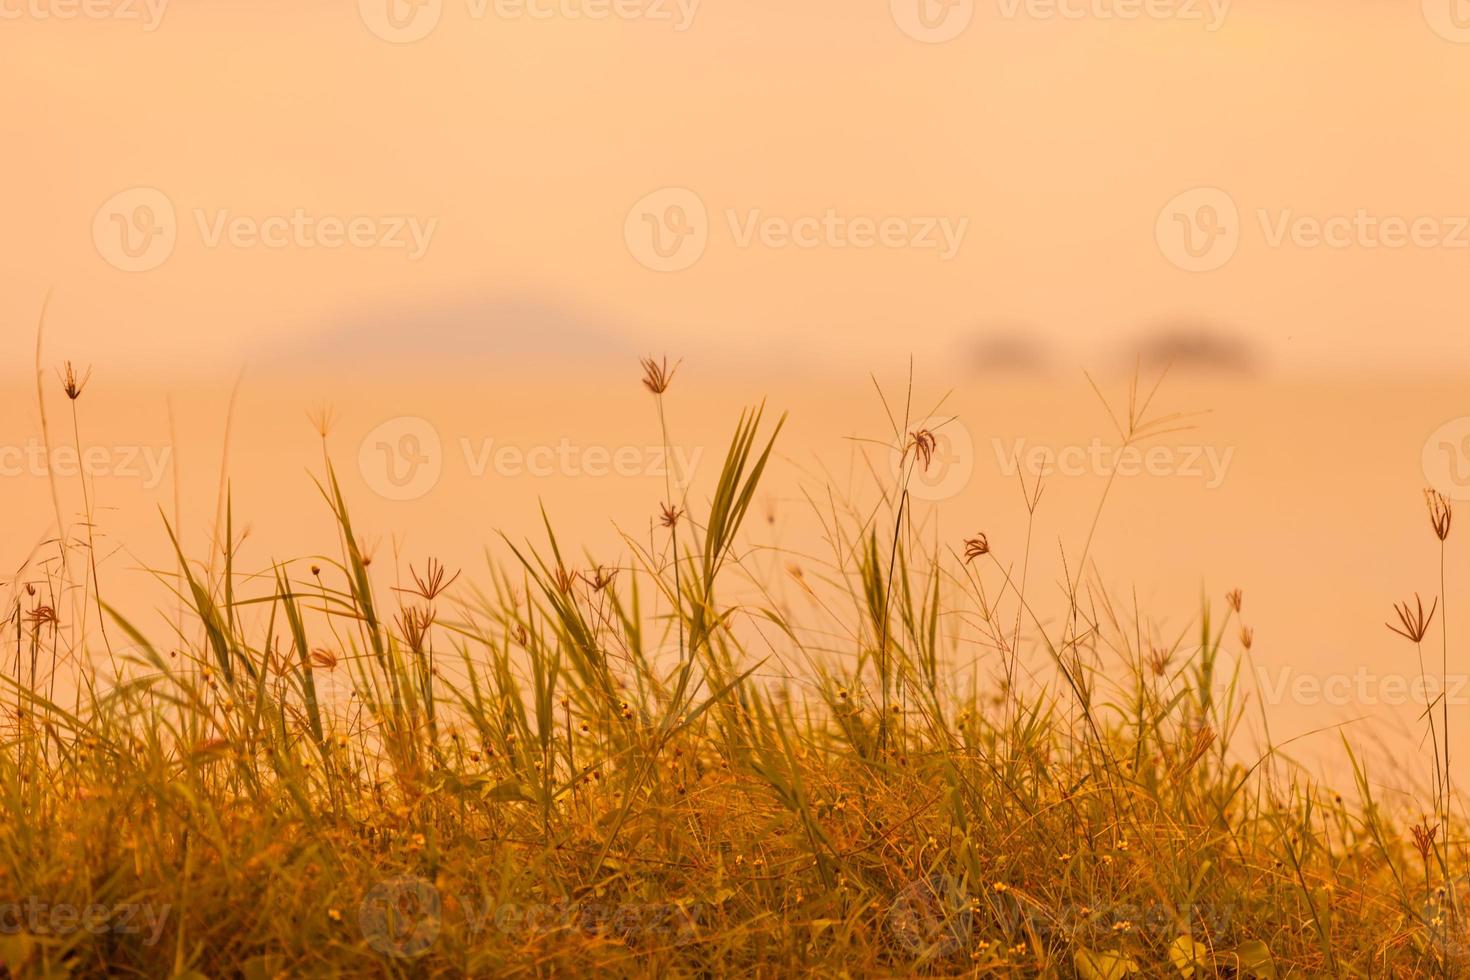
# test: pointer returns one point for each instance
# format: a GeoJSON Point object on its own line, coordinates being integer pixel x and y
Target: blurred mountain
{"type": "Point", "coordinates": [515, 330]}
{"type": "Point", "coordinates": [1196, 347]}
{"type": "Point", "coordinates": [1008, 351]}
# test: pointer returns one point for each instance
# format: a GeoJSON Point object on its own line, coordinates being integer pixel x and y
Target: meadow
{"type": "Point", "coordinates": [702, 759]}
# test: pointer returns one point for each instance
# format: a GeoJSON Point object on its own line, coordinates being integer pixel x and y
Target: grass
{"type": "Point", "coordinates": [568, 768]}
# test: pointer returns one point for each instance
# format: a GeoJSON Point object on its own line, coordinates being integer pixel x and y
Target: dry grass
{"type": "Point", "coordinates": [573, 769]}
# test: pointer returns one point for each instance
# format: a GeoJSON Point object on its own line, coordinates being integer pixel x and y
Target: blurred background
{"type": "Point", "coordinates": [452, 227]}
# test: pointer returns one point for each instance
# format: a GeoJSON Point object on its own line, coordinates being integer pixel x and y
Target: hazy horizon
{"type": "Point", "coordinates": [850, 192]}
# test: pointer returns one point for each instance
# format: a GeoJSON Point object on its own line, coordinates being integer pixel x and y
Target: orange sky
{"type": "Point", "coordinates": [521, 144]}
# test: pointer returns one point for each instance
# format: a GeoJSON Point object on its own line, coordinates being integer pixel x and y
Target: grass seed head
{"type": "Point", "coordinates": [922, 443]}
{"type": "Point", "coordinates": [600, 578]}
{"type": "Point", "coordinates": [1424, 838]}
{"type": "Point", "coordinates": [976, 547]}
{"type": "Point", "coordinates": [72, 382]}
{"type": "Point", "coordinates": [1440, 513]}
{"type": "Point", "coordinates": [432, 583]}
{"type": "Point", "coordinates": [657, 375]}
{"type": "Point", "coordinates": [1415, 622]}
